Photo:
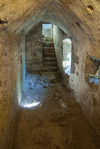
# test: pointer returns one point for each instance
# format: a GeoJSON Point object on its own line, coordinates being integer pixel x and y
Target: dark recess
{"type": "Point", "coordinates": [3, 22]}
{"type": "Point", "coordinates": [90, 7]}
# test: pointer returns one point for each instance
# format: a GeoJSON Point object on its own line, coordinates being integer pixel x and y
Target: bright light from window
{"type": "Point", "coordinates": [46, 30]}
{"type": "Point", "coordinates": [67, 40]}
{"type": "Point", "coordinates": [34, 104]}
{"type": "Point", "coordinates": [67, 45]}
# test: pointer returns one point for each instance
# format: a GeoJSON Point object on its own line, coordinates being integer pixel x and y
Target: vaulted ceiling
{"type": "Point", "coordinates": [75, 17]}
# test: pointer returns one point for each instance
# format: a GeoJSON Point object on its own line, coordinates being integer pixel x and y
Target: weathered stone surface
{"type": "Point", "coordinates": [34, 49]}
{"type": "Point", "coordinates": [57, 122]}
{"type": "Point", "coordinates": [9, 70]}
{"type": "Point", "coordinates": [78, 16]}
{"type": "Point", "coordinates": [80, 20]}
{"type": "Point", "coordinates": [91, 68]}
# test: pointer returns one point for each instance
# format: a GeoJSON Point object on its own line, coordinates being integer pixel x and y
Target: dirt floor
{"type": "Point", "coordinates": [54, 120]}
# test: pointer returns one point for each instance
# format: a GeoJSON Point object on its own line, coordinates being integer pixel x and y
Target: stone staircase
{"type": "Point", "coordinates": [49, 56]}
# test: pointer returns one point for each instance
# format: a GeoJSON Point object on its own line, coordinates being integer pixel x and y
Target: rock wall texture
{"type": "Point", "coordinates": [58, 37]}
{"type": "Point", "coordinates": [87, 96]}
{"type": "Point", "coordinates": [9, 70]}
{"type": "Point", "coordinates": [80, 20]}
{"type": "Point", "coordinates": [33, 49]}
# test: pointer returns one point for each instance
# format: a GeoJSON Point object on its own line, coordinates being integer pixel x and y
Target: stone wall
{"type": "Point", "coordinates": [79, 19]}
{"type": "Point", "coordinates": [33, 50]}
{"type": "Point", "coordinates": [10, 88]}
{"type": "Point", "coordinates": [58, 37]}
{"type": "Point", "coordinates": [58, 42]}
{"type": "Point", "coordinates": [88, 98]}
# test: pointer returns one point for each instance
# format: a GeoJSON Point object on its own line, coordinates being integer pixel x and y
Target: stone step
{"type": "Point", "coordinates": [47, 39]}
{"type": "Point", "coordinates": [49, 59]}
{"type": "Point", "coordinates": [48, 52]}
{"type": "Point", "coordinates": [52, 64]}
{"type": "Point", "coordinates": [54, 69]}
{"type": "Point", "coordinates": [48, 44]}
{"type": "Point", "coordinates": [49, 55]}
{"type": "Point", "coordinates": [49, 48]}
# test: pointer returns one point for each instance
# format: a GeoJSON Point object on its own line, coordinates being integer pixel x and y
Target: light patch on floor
{"type": "Point", "coordinates": [31, 105]}
{"type": "Point", "coordinates": [36, 88]}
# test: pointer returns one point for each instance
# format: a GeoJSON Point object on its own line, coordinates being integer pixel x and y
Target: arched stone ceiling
{"type": "Point", "coordinates": [75, 17]}
{"type": "Point", "coordinates": [17, 12]}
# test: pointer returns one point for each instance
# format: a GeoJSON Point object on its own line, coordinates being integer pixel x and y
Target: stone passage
{"type": "Point", "coordinates": [57, 122]}
{"type": "Point", "coordinates": [49, 56]}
